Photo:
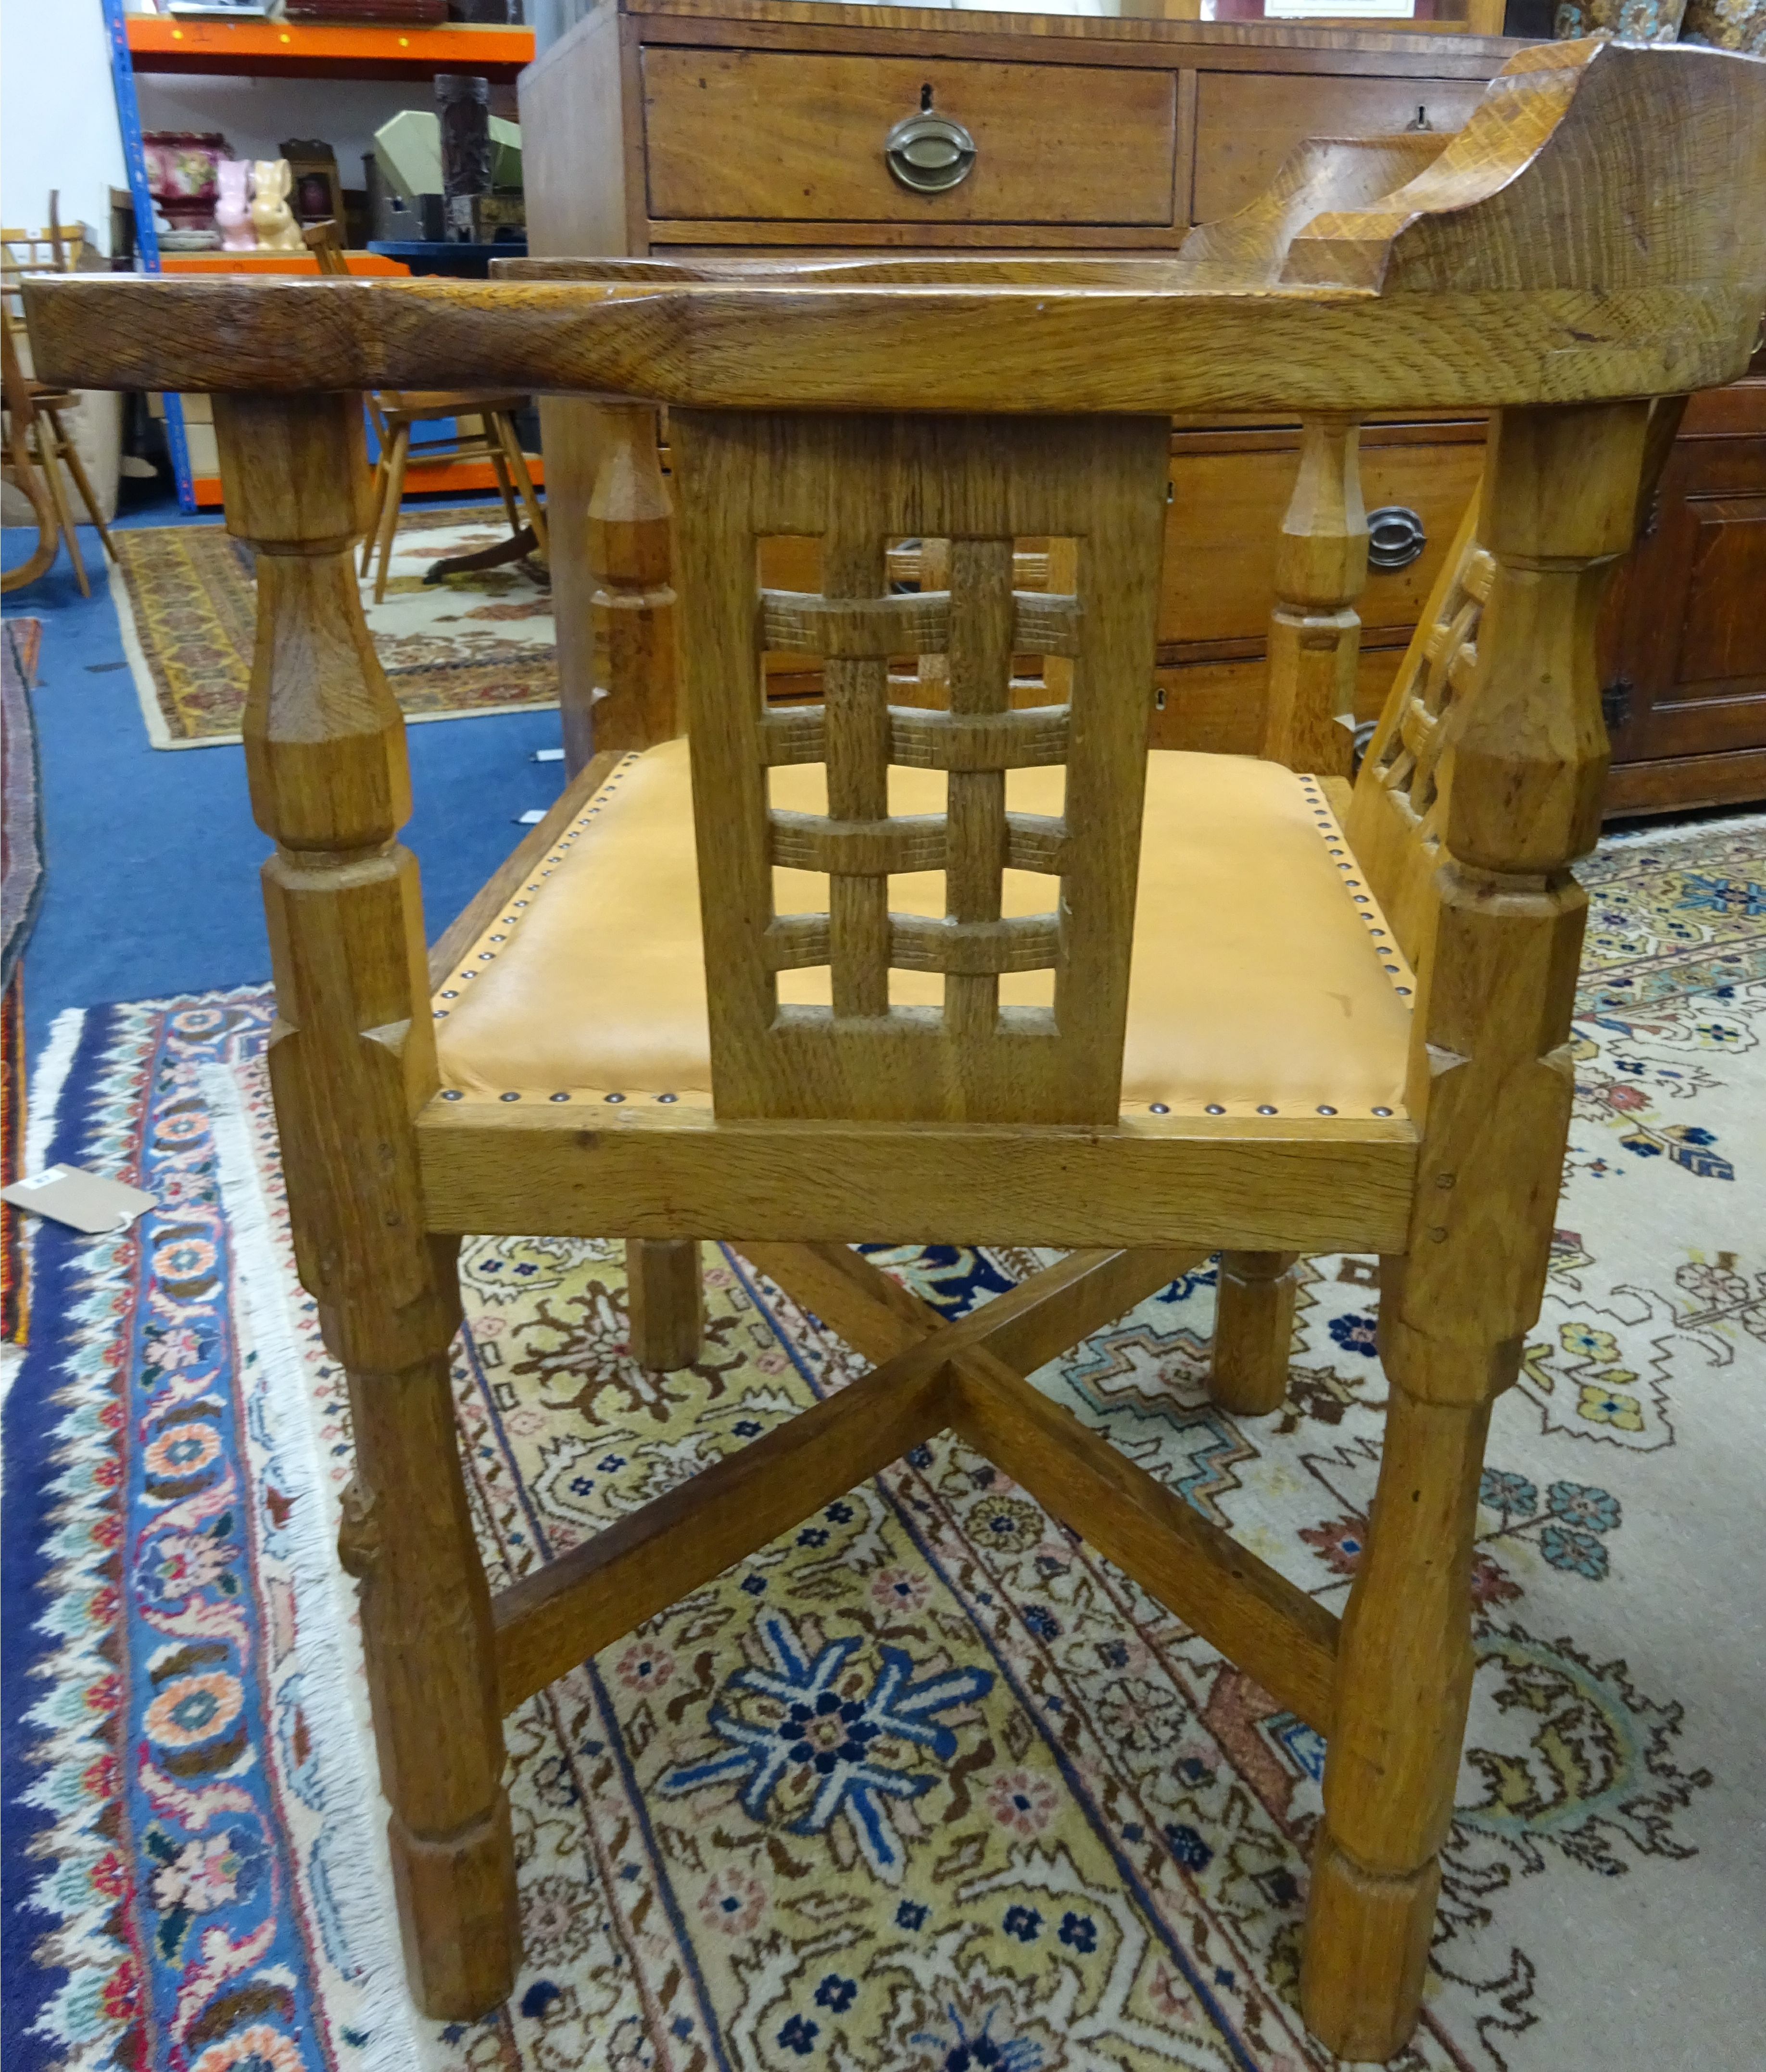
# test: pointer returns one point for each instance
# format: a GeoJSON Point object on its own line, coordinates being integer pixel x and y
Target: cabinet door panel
{"type": "Point", "coordinates": [1720, 643]}
{"type": "Point", "coordinates": [1684, 642]}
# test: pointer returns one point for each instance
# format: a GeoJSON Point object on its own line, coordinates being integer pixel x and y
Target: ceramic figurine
{"type": "Point", "coordinates": [272, 218]}
{"type": "Point", "coordinates": [233, 211]}
{"type": "Point", "coordinates": [181, 178]}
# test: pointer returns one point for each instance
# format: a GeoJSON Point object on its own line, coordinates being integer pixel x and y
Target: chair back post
{"type": "Point", "coordinates": [325, 758]}
{"type": "Point", "coordinates": [1492, 1080]}
{"type": "Point", "coordinates": [629, 549]}
{"type": "Point", "coordinates": [1314, 633]}
{"type": "Point", "coordinates": [352, 1059]}
{"type": "Point", "coordinates": [326, 244]}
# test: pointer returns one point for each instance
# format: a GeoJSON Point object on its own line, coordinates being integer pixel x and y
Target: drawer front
{"type": "Point", "coordinates": [1225, 518]}
{"type": "Point", "coordinates": [1218, 708]}
{"type": "Point", "coordinates": [768, 136]}
{"type": "Point", "coordinates": [1246, 123]}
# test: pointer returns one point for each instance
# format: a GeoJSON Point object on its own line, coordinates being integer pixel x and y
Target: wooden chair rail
{"type": "Point", "coordinates": [933, 1375]}
{"type": "Point", "coordinates": [1312, 1184]}
{"type": "Point", "coordinates": [652, 1559]}
{"type": "Point", "coordinates": [1348, 312]}
{"type": "Point", "coordinates": [1235, 1601]}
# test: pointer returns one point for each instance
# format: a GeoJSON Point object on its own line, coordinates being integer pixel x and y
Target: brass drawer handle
{"type": "Point", "coordinates": [1395, 537]}
{"type": "Point", "coordinates": [930, 152]}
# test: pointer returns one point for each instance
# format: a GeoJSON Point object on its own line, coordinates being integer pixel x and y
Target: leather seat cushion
{"type": "Point", "coordinates": [1258, 981]}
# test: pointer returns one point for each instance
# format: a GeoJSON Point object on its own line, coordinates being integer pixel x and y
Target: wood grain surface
{"type": "Point", "coordinates": [1486, 295]}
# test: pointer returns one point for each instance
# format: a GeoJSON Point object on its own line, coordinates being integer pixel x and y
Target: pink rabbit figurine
{"type": "Point", "coordinates": [233, 211]}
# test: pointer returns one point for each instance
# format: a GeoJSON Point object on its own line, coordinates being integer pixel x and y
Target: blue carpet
{"type": "Point", "coordinates": [152, 856]}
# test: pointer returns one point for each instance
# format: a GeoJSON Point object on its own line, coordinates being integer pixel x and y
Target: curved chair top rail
{"type": "Point", "coordinates": [1596, 230]}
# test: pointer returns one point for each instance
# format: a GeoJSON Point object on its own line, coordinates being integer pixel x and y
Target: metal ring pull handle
{"type": "Point", "coordinates": [930, 152]}
{"type": "Point", "coordinates": [1395, 537]}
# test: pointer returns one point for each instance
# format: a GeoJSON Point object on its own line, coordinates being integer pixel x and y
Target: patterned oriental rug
{"type": "Point", "coordinates": [925, 1785]}
{"type": "Point", "coordinates": [477, 642]}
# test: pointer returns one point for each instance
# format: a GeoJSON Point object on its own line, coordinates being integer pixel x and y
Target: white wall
{"type": "Point", "coordinates": [57, 114]}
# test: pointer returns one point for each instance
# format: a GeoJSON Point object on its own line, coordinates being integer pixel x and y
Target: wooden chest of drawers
{"type": "Point", "coordinates": [676, 128]}
{"type": "Point", "coordinates": [661, 126]}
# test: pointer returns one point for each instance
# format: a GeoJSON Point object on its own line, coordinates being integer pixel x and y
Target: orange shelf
{"type": "Point", "coordinates": [299, 50]}
{"type": "Point", "coordinates": [465, 475]}
{"type": "Point", "coordinates": [275, 262]}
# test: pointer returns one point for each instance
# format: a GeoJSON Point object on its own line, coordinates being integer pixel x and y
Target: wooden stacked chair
{"type": "Point", "coordinates": [985, 971]}
{"type": "Point", "coordinates": [38, 445]}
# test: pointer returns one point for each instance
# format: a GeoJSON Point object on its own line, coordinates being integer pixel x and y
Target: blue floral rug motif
{"type": "Point", "coordinates": [925, 1786]}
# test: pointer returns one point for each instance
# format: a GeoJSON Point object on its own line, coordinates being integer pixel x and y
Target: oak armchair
{"type": "Point", "coordinates": [724, 999]}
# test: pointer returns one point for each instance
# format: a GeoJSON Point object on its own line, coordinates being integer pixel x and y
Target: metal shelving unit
{"type": "Point", "coordinates": [276, 50]}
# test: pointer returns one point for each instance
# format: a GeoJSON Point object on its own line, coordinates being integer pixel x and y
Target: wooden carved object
{"type": "Point", "coordinates": [1520, 778]}
{"type": "Point", "coordinates": [352, 1058]}
{"type": "Point", "coordinates": [632, 607]}
{"type": "Point", "coordinates": [1254, 1331]}
{"type": "Point", "coordinates": [983, 484]}
{"type": "Point", "coordinates": [1315, 635]}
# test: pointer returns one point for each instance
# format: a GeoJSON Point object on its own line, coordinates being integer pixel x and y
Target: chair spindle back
{"type": "Point", "coordinates": [861, 482]}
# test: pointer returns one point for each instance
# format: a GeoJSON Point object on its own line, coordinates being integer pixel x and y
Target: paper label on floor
{"type": "Point", "coordinates": [83, 1201]}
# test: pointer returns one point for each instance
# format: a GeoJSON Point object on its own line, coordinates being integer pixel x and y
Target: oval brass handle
{"type": "Point", "coordinates": [1395, 537]}
{"type": "Point", "coordinates": [930, 152]}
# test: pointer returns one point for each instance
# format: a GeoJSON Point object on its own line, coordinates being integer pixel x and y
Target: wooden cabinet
{"type": "Point", "coordinates": [1683, 637]}
{"type": "Point", "coordinates": [734, 127]}
{"type": "Point", "coordinates": [1229, 487]}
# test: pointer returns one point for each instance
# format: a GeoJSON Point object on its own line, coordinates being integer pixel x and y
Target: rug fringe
{"type": "Point", "coordinates": [43, 1103]}
{"type": "Point", "coordinates": [47, 1082]}
{"type": "Point", "coordinates": [357, 1869]}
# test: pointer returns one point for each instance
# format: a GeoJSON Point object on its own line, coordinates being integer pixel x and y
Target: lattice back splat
{"type": "Point", "coordinates": [859, 483]}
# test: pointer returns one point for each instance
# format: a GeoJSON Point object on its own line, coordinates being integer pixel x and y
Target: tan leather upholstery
{"type": "Point", "coordinates": [1258, 981]}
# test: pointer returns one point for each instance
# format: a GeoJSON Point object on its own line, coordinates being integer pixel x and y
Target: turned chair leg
{"type": "Point", "coordinates": [1403, 1683]}
{"type": "Point", "coordinates": [376, 504]}
{"type": "Point", "coordinates": [500, 468]}
{"type": "Point", "coordinates": [1492, 1077]}
{"type": "Point", "coordinates": [1254, 1331]}
{"type": "Point", "coordinates": [352, 1060]}
{"type": "Point", "coordinates": [49, 461]}
{"type": "Point", "coordinates": [389, 513]}
{"type": "Point", "coordinates": [407, 1534]}
{"type": "Point", "coordinates": [667, 1296]}
{"type": "Point", "coordinates": [503, 426]}
{"type": "Point", "coordinates": [69, 450]}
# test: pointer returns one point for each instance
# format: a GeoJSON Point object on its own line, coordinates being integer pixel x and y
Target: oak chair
{"type": "Point", "coordinates": [394, 416]}
{"type": "Point", "coordinates": [803, 1042]}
